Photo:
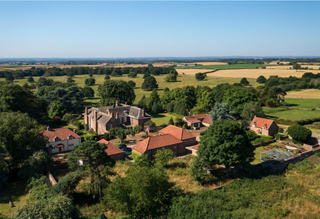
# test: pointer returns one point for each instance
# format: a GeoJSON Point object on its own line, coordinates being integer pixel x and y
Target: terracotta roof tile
{"type": "Point", "coordinates": [203, 118]}
{"type": "Point", "coordinates": [154, 142]}
{"type": "Point", "coordinates": [177, 132]}
{"type": "Point", "coordinates": [191, 119]}
{"type": "Point", "coordinates": [111, 149]}
{"type": "Point", "coordinates": [261, 122]}
{"type": "Point", "coordinates": [61, 133]}
{"type": "Point", "coordinates": [196, 147]}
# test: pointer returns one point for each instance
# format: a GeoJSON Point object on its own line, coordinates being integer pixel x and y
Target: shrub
{"type": "Point", "coordinates": [259, 141]}
{"type": "Point", "coordinates": [107, 77]}
{"type": "Point", "coordinates": [131, 84]}
{"type": "Point", "coordinates": [200, 76]}
{"type": "Point", "coordinates": [132, 75]}
{"type": "Point", "coordinates": [317, 154]}
{"type": "Point", "coordinates": [90, 81]}
{"type": "Point", "coordinates": [299, 133]}
{"type": "Point", "coordinates": [280, 130]}
{"type": "Point", "coordinates": [278, 136]}
{"type": "Point", "coordinates": [137, 129]}
{"type": "Point", "coordinates": [251, 135]}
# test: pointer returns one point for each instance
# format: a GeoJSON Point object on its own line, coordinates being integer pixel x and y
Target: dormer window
{"type": "Point", "coordinates": [70, 137]}
{"type": "Point", "coordinates": [57, 139]}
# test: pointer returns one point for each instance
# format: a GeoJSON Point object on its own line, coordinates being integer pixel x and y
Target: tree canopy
{"type": "Point", "coordinates": [299, 133]}
{"type": "Point", "coordinates": [222, 111]}
{"type": "Point", "coordinates": [149, 83]}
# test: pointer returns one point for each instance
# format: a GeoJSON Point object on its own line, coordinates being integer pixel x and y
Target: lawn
{"type": "Point", "coordinates": [15, 190]}
{"type": "Point", "coordinates": [257, 152]}
{"type": "Point", "coordinates": [294, 115]}
{"type": "Point", "coordinates": [221, 67]}
{"type": "Point", "coordinates": [303, 103]}
{"type": "Point", "coordinates": [163, 118]}
{"type": "Point", "coordinates": [183, 80]}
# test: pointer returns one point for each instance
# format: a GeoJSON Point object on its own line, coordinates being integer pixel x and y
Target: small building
{"type": "Point", "coordinates": [196, 121]}
{"type": "Point", "coordinates": [264, 126]}
{"type": "Point", "coordinates": [60, 139]}
{"type": "Point", "coordinates": [179, 133]}
{"type": "Point", "coordinates": [113, 151]}
{"type": "Point", "coordinates": [101, 119]}
{"type": "Point", "coordinates": [150, 145]}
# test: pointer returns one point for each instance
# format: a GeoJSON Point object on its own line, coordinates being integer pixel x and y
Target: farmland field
{"type": "Point", "coordinates": [304, 94]}
{"type": "Point", "coordinates": [293, 115]}
{"type": "Point", "coordinates": [303, 103]}
{"type": "Point", "coordinates": [224, 66]}
{"type": "Point", "coordinates": [255, 73]}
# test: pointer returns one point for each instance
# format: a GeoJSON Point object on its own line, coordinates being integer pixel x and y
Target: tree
{"type": "Point", "coordinates": [18, 137]}
{"type": "Point", "coordinates": [56, 109]}
{"type": "Point", "coordinates": [90, 81]}
{"type": "Point", "coordinates": [244, 82]}
{"type": "Point", "coordinates": [132, 84]}
{"type": "Point", "coordinates": [30, 79]}
{"type": "Point", "coordinates": [115, 90]}
{"type": "Point", "coordinates": [143, 102]}
{"type": "Point", "coordinates": [222, 111]}
{"type": "Point", "coordinates": [96, 163]}
{"type": "Point", "coordinates": [102, 216]}
{"type": "Point", "coordinates": [107, 77]}
{"type": "Point", "coordinates": [44, 82]}
{"type": "Point", "coordinates": [164, 156]}
{"type": "Point", "coordinates": [149, 84]}
{"type": "Point", "coordinates": [171, 78]}
{"type": "Point", "coordinates": [225, 143]}
{"type": "Point", "coordinates": [198, 170]}
{"type": "Point", "coordinates": [9, 76]}
{"type": "Point", "coordinates": [132, 75]}
{"type": "Point", "coordinates": [39, 163]}
{"type": "Point", "coordinates": [200, 76]}
{"type": "Point", "coordinates": [121, 134]}
{"type": "Point", "coordinates": [299, 133]}
{"type": "Point", "coordinates": [171, 121]}
{"type": "Point", "coordinates": [145, 192]}
{"type": "Point", "coordinates": [137, 129]}
{"type": "Point", "coordinates": [250, 110]}
{"type": "Point", "coordinates": [156, 107]}
{"type": "Point", "coordinates": [154, 98]}
{"type": "Point", "coordinates": [296, 66]}
{"type": "Point", "coordinates": [261, 79]}
{"type": "Point", "coordinates": [70, 80]}
{"type": "Point", "coordinates": [88, 92]}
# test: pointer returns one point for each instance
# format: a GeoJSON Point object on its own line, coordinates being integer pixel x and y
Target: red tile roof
{"type": "Point", "coordinates": [203, 118]}
{"type": "Point", "coordinates": [261, 122]}
{"type": "Point", "coordinates": [196, 147]}
{"type": "Point", "coordinates": [154, 142]}
{"type": "Point", "coordinates": [61, 133]}
{"type": "Point", "coordinates": [111, 148]}
{"type": "Point", "coordinates": [191, 119]}
{"type": "Point", "coordinates": [177, 132]}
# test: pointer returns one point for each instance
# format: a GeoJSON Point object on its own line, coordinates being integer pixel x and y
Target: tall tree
{"type": "Point", "coordinates": [250, 110]}
{"type": "Point", "coordinates": [96, 163]}
{"type": "Point", "coordinates": [154, 98]}
{"type": "Point", "coordinates": [88, 92]}
{"type": "Point", "coordinates": [115, 90]}
{"type": "Point", "coordinates": [225, 143]}
{"type": "Point", "coordinates": [222, 111]}
{"type": "Point", "coordinates": [261, 79]}
{"type": "Point", "coordinates": [149, 84]}
{"type": "Point", "coordinates": [56, 109]}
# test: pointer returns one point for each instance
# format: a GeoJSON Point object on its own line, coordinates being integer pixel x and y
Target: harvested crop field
{"type": "Point", "coordinates": [304, 94]}
{"type": "Point", "coordinates": [192, 71]}
{"type": "Point", "coordinates": [255, 73]}
{"type": "Point", "coordinates": [212, 63]}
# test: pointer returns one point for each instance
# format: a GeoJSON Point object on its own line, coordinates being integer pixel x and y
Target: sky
{"type": "Point", "coordinates": [158, 29]}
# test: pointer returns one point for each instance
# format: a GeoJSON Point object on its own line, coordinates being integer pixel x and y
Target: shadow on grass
{"type": "Point", "coordinates": [157, 116]}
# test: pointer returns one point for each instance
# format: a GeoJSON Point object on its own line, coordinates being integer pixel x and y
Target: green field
{"type": "Point", "coordinates": [222, 67]}
{"type": "Point", "coordinates": [303, 103]}
{"type": "Point", "coordinates": [11, 66]}
{"type": "Point", "coordinates": [183, 80]}
{"type": "Point", "coordinates": [163, 118]}
{"type": "Point", "coordinates": [293, 115]}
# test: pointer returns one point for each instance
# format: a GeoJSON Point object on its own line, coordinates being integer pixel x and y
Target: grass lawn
{"type": "Point", "coordinates": [220, 67]}
{"type": "Point", "coordinates": [15, 190]}
{"type": "Point", "coordinates": [183, 80]}
{"type": "Point", "coordinates": [163, 118]}
{"type": "Point", "coordinates": [257, 152]}
{"type": "Point", "coordinates": [303, 103]}
{"type": "Point", "coordinates": [294, 115]}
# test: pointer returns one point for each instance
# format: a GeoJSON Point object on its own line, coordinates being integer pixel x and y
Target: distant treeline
{"type": "Point", "coordinates": [19, 74]}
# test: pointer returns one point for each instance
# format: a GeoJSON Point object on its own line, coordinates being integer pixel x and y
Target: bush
{"type": "Point", "coordinates": [278, 136]}
{"type": "Point", "coordinates": [280, 130]}
{"type": "Point", "coordinates": [132, 75]}
{"type": "Point", "coordinates": [299, 133]}
{"type": "Point", "coordinates": [137, 129]}
{"type": "Point", "coordinates": [90, 81]}
{"type": "Point", "coordinates": [107, 77]}
{"type": "Point", "coordinates": [200, 76]}
{"type": "Point", "coordinates": [251, 135]}
{"type": "Point", "coordinates": [132, 84]}
{"type": "Point", "coordinates": [259, 141]}
{"type": "Point", "coordinates": [317, 154]}
{"type": "Point", "coordinates": [171, 78]}
{"type": "Point", "coordinates": [67, 118]}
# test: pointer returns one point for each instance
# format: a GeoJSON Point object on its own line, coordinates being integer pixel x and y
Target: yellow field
{"type": "Point", "coordinates": [305, 94]}
{"type": "Point", "coordinates": [192, 71]}
{"type": "Point", "coordinates": [255, 73]}
{"type": "Point", "coordinates": [212, 63]}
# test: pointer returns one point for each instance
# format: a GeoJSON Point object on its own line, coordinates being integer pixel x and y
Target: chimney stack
{"type": "Point", "coordinates": [95, 120]}
{"type": "Point", "coordinates": [75, 130]}
{"type": "Point", "coordinates": [117, 115]}
{"type": "Point", "coordinates": [86, 118]}
{"type": "Point", "coordinates": [116, 103]}
{"type": "Point", "coordinates": [143, 112]}
{"type": "Point", "coordinates": [48, 128]}
{"type": "Point", "coordinates": [112, 114]}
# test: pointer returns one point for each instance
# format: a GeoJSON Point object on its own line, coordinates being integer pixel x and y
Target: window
{"type": "Point", "coordinates": [56, 139]}
{"type": "Point", "coordinates": [71, 137]}
{"type": "Point", "coordinates": [71, 145]}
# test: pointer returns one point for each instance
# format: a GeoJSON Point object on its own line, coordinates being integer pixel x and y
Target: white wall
{"type": "Point", "coordinates": [67, 145]}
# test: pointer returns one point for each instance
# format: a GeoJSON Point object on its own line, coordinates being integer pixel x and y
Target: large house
{"type": "Point", "coordinates": [150, 145]}
{"type": "Point", "coordinates": [179, 133]}
{"type": "Point", "coordinates": [101, 119]}
{"type": "Point", "coordinates": [196, 121]}
{"type": "Point", "coordinates": [60, 139]}
{"type": "Point", "coordinates": [264, 126]}
{"type": "Point", "coordinates": [113, 151]}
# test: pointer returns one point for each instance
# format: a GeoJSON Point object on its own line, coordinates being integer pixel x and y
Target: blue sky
{"type": "Point", "coordinates": [158, 29]}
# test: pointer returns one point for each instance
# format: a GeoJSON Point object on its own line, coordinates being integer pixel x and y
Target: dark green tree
{"type": "Point", "coordinates": [296, 66]}
{"type": "Point", "coordinates": [164, 156]}
{"type": "Point", "coordinates": [88, 92]}
{"type": "Point", "coordinates": [200, 76]}
{"type": "Point", "coordinates": [149, 84]}
{"type": "Point", "coordinates": [30, 79]}
{"type": "Point", "coordinates": [9, 76]}
{"type": "Point", "coordinates": [143, 102]}
{"type": "Point", "coordinates": [171, 78]}
{"type": "Point", "coordinates": [132, 84]}
{"type": "Point", "coordinates": [250, 110]}
{"type": "Point", "coordinates": [107, 77]}
{"type": "Point", "coordinates": [90, 81]}
{"type": "Point", "coordinates": [171, 121]}
{"type": "Point", "coordinates": [261, 79]}
{"type": "Point", "coordinates": [299, 133]}
{"type": "Point", "coordinates": [132, 75]}
{"type": "Point", "coordinates": [226, 143]}
{"type": "Point", "coordinates": [154, 98]}
{"type": "Point", "coordinates": [56, 109]}
{"type": "Point", "coordinates": [96, 163]}
{"type": "Point", "coordinates": [244, 82]}
{"type": "Point", "coordinates": [115, 90]}
{"type": "Point", "coordinates": [222, 111]}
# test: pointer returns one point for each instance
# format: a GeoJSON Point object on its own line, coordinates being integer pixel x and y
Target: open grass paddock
{"type": "Point", "coordinates": [294, 115]}
{"type": "Point", "coordinates": [303, 103]}
{"type": "Point", "coordinates": [304, 94]}
{"type": "Point", "coordinates": [224, 66]}
{"type": "Point", "coordinates": [183, 80]}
